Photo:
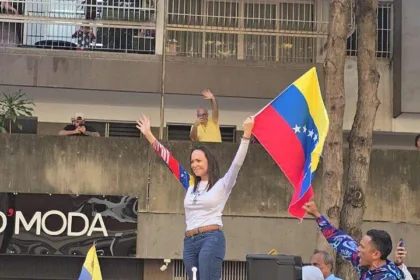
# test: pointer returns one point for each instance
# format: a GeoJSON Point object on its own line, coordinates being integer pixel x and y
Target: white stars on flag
{"type": "Point", "coordinates": [308, 132]}
{"type": "Point", "coordinates": [309, 171]}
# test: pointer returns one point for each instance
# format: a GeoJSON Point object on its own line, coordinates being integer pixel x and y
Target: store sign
{"type": "Point", "coordinates": [38, 221]}
{"type": "Point", "coordinates": [67, 224]}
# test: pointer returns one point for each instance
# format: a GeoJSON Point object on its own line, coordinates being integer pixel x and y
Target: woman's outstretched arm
{"type": "Point", "coordinates": [143, 124]}
{"type": "Point", "coordinates": [232, 174]}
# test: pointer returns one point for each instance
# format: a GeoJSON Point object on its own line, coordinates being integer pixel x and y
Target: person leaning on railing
{"type": "Point", "coordinates": [6, 6]}
{"type": "Point", "coordinates": [205, 199]}
{"type": "Point", "coordinates": [417, 142]}
{"type": "Point", "coordinates": [78, 128]}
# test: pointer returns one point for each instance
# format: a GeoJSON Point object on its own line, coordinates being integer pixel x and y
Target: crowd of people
{"type": "Point", "coordinates": [206, 194]}
{"type": "Point", "coordinates": [369, 257]}
{"type": "Point", "coordinates": [204, 129]}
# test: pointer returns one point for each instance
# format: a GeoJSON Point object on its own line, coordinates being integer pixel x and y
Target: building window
{"type": "Point", "coordinates": [115, 129]}
{"type": "Point", "coordinates": [228, 133]}
{"type": "Point", "coordinates": [182, 132]}
{"type": "Point", "coordinates": [384, 32]}
{"type": "Point", "coordinates": [178, 132]}
{"type": "Point", "coordinates": [249, 30]}
{"type": "Point", "coordinates": [260, 17]}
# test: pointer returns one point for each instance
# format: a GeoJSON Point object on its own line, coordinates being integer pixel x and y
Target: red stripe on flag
{"type": "Point", "coordinates": [295, 207]}
{"type": "Point", "coordinates": [280, 141]}
{"type": "Point", "coordinates": [174, 166]}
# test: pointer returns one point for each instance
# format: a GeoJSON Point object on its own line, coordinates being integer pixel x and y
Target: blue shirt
{"type": "Point", "coordinates": [332, 277]}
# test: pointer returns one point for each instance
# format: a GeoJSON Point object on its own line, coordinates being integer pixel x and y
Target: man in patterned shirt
{"type": "Point", "coordinates": [369, 257]}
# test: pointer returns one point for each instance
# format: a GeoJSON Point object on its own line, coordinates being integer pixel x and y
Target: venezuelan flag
{"type": "Point", "coordinates": [292, 128]}
{"type": "Point", "coordinates": [91, 269]}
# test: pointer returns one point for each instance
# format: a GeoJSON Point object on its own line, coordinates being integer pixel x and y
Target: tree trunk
{"type": "Point", "coordinates": [10, 126]}
{"type": "Point", "coordinates": [331, 191]}
{"type": "Point", "coordinates": [360, 139]}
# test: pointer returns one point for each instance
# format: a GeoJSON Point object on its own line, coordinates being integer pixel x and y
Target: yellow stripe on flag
{"type": "Point", "coordinates": [308, 85]}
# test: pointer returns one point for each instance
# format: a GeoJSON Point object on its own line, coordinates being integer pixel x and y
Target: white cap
{"type": "Point", "coordinates": [79, 116]}
{"type": "Point", "coordinates": [311, 272]}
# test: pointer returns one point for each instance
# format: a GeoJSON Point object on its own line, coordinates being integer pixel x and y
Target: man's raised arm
{"type": "Point", "coordinates": [214, 108]}
{"type": "Point", "coordinates": [345, 246]}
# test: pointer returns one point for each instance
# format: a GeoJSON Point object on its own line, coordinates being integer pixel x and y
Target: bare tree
{"type": "Point", "coordinates": [360, 139]}
{"type": "Point", "coordinates": [335, 102]}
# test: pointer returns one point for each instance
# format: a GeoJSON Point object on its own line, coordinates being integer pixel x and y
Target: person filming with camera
{"type": "Point", "coordinates": [78, 128]}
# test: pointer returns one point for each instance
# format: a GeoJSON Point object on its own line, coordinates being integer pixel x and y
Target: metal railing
{"type": "Point", "coordinates": [384, 37]}
{"type": "Point", "coordinates": [100, 25]}
{"type": "Point", "coordinates": [270, 30]}
{"type": "Point", "coordinates": [292, 31]}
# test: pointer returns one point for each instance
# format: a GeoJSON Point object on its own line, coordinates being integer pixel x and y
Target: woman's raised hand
{"type": "Point", "coordinates": [248, 126]}
{"type": "Point", "coordinates": [143, 124]}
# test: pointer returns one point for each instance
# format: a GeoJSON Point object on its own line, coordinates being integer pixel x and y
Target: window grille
{"type": "Point", "coordinates": [115, 129]}
{"type": "Point", "coordinates": [384, 32]}
{"type": "Point", "coordinates": [231, 270]}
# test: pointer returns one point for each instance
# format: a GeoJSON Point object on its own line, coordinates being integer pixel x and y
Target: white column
{"type": "Point", "coordinates": [322, 17]}
{"type": "Point", "coordinates": [160, 19]}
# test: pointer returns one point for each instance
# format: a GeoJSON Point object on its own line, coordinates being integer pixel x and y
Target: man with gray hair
{"type": "Point", "coordinates": [310, 272]}
{"type": "Point", "coordinates": [207, 129]}
{"type": "Point", "coordinates": [325, 262]}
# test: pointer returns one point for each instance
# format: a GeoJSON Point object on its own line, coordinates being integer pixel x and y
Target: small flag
{"type": "Point", "coordinates": [91, 269]}
{"type": "Point", "coordinates": [292, 128]}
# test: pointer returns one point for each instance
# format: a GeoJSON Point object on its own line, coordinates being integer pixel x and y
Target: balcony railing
{"type": "Point", "coordinates": [269, 30]}
{"type": "Point", "coordinates": [272, 30]}
{"type": "Point", "coordinates": [100, 25]}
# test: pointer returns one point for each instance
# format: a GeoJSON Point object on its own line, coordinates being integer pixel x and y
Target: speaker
{"type": "Point", "coordinates": [274, 267]}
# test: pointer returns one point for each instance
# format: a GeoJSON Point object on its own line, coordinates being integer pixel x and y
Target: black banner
{"type": "Point", "coordinates": [58, 224]}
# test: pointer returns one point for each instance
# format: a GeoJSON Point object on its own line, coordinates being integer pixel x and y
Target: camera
{"type": "Point", "coordinates": [165, 266]}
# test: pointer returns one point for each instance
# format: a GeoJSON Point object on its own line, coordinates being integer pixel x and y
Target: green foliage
{"type": "Point", "coordinates": [13, 106]}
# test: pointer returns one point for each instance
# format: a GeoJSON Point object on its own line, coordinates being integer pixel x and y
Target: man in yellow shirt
{"type": "Point", "coordinates": [205, 129]}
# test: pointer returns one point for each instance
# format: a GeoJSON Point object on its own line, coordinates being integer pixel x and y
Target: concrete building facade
{"type": "Point", "coordinates": [152, 57]}
{"type": "Point", "coordinates": [244, 71]}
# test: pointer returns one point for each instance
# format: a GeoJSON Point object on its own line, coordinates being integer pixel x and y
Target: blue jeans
{"type": "Point", "coordinates": [206, 252]}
